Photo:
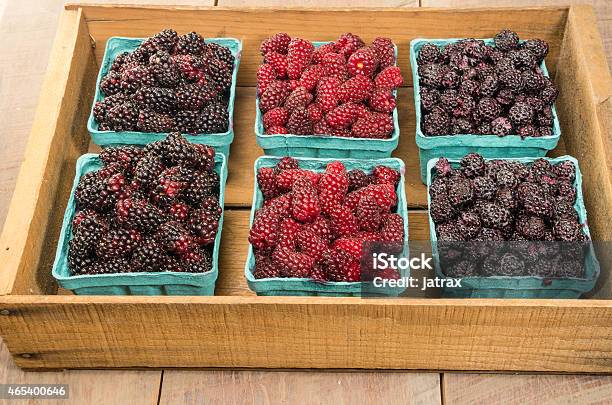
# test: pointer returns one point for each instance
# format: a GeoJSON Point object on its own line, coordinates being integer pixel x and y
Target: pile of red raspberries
{"type": "Point", "coordinates": [314, 225]}
{"type": "Point", "coordinates": [342, 88]}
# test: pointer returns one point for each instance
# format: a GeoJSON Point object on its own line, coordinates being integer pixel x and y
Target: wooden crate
{"type": "Point", "coordinates": [47, 328]}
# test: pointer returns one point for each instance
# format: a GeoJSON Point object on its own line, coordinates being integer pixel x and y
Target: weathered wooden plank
{"type": "Point", "coordinates": [299, 387]}
{"type": "Point", "coordinates": [318, 3]}
{"type": "Point", "coordinates": [463, 389]}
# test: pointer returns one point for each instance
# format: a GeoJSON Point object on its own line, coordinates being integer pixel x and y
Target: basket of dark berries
{"type": "Point", "coordinates": [327, 99]}
{"type": "Point", "coordinates": [511, 228]}
{"type": "Point", "coordinates": [147, 88]}
{"type": "Point", "coordinates": [314, 222]}
{"type": "Point", "coordinates": [144, 221]}
{"type": "Point", "coordinates": [491, 96]}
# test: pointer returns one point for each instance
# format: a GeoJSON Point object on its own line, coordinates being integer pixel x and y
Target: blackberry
{"type": "Point", "coordinates": [197, 261]}
{"type": "Point", "coordinates": [170, 185]}
{"type": "Point", "coordinates": [505, 198]}
{"type": "Point", "coordinates": [531, 227]}
{"type": "Point", "coordinates": [189, 122]}
{"type": "Point", "coordinates": [490, 265]}
{"type": "Point", "coordinates": [150, 121]}
{"type": "Point", "coordinates": [549, 93]}
{"type": "Point", "coordinates": [522, 59]}
{"type": "Point", "coordinates": [88, 193]}
{"type": "Point", "coordinates": [441, 209]}
{"type": "Point", "coordinates": [566, 193]}
{"type": "Point", "coordinates": [122, 117]}
{"type": "Point", "coordinates": [429, 98]}
{"type": "Point", "coordinates": [158, 99]}
{"type": "Point", "coordinates": [176, 150]}
{"type": "Point", "coordinates": [540, 169]}
{"type": "Point", "coordinates": [204, 184]}
{"type": "Point", "coordinates": [163, 68]}
{"type": "Point", "coordinates": [149, 256]}
{"type": "Point", "coordinates": [473, 165]}
{"type": "Point", "coordinates": [193, 97]}
{"type": "Point", "coordinates": [358, 179]}
{"type": "Point", "coordinates": [469, 224]}
{"type": "Point", "coordinates": [489, 86]}
{"type": "Point", "coordinates": [117, 242]}
{"type": "Point", "coordinates": [564, 209]}
{"type": "Point", "coordinates": [537, 47]}
{"type": "Point", "coordinates": [101, 107]}
{"type": "Point", "coordinates": [79, 261]}
{"type": "Point", "coordinates": [489, 235]}
{"type": "Point", "coordinates": [222, 53]}
{"type": "Point", "coordinates": [459, 191]}
{"type": "Point", "coordinates": [443, 168]}
{"type": "Point", "coordinates": [449, 99]}
{"type": "Point", "coordinates": [148, 168]}
{"type": "Point", "coordinates": [544, 131]}
{"type": "Point", "coordinates": [512, 80]}
{"type": "Point", "coordinates": [544, 117]}
{"type": "Point", "coordinates": [565, 170]}
{"type": "Point", "coordinates": [488, 108]}
{"type": "Point", "coordinates": [501, 126]}
{"type": "Point", "coordinates": [191, 43]}
{"type": "Point", "coordinates": [134, 78]}
{"type": "Point", "coordinates": [119, 62]}
{"type": "Point", "coordinates": [506, 40]}
{"type": "Point", "coordinates": [174, 237]}
{"type": "Point", "coordinates": [526, 131]}
{"type": "Point", "coordinates": [533, 81]}
{"type": "Point", "coordinates": [467, 87]}
{"type": "Point", "coordinates": [436, 123]}
{"type": "Point", "coordinates": [203, 223]}
{"type": "Point", "coordinates": [125, 157]}
{"type": "Point", "coordinates": [461, 126]}
{"type": "Point", "coordinates": [111, 266]}
{"type": "Point", "coordinates": [505, 178]}
{"type": "Point", "coordinates": [164, 40]}
{"type": "Point", "coordinates": [503, 65]}
{"type": "Point", "coordinates": [451, 80]}
{"type": "Point", "coordinates": [463, 268]}
{"type": "Point", "coordinates": [484, 129]}
{"type": "Point", "coordinates": [505, 97]}
{"type": "Point", "coordinates": [431, 75]}
{"type": "Point", "coordinates": [219, 73]}
{"type": "Point", "coordinates": [111, 83]}
{"type": "Point", "coordinates": [429, 53]}
{"type": "Point", "coordinates": [494, 216]}
{"type": "Point", "coordinates": [535, 199]}
{"type": "Point", "coordinates": [138, 214]}
{"type": "Point", "coordinates": [484, 188]}
{"type": "Point", "coordinates": [511, 265]}
{"type": "Point", "coordinates": [215, 118]}
{"type": "Point", "coordinates": [464, 107]}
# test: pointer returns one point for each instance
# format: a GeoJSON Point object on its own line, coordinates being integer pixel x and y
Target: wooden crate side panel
{"type": "Point", "coordinates": [290, 332]}
{"type": "Point", "coordinates": [57, 138]}
{"type": "Point", "coordinates": [253, 25]}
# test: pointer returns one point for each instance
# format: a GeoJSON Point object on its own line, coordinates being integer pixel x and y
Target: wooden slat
{"type": "Point", "coordinates": [318, 3]}
{"type": "Point", "coordinates": [464, 389]}
{"type": "Point", "coordinates": [308, 332]}
{"type": "Point", "coordinates": [265, 387]}
{"type": "Point", "coordinates": [93, 387]}
{"type": "Point", "coordinates": [254, 25]}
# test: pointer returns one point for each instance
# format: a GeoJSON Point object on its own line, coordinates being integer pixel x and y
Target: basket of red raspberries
{"type": "Point", "coordinates": [511, 227]}
{"type": "Point", "coordinates": [312, 219]}
{"type": "Point", "coordinates": [328, 99]}
{"type": "Point", "coordinates": [144, 221]}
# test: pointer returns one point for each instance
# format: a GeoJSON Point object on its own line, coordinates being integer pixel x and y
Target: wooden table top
{"type": "Point", "coordinates": [26, 34]}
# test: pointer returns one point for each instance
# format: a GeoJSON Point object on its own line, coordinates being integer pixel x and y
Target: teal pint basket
{"type": "Point", "coordinates": [521, 286]}
{"type": "Point", "coordinates": [325, 146]}
{"type": "Point", "coordinates": [489, 146]}
{"type": "Point", "coordinates": [117, 45]}
{"type": "Point", "coordinates": [305, 286]}
{"type": "Point", "coordinates": [138, 283]}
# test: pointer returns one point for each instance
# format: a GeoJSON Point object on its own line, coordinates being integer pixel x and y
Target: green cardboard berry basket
{"type": "Point", "coordinates": [521, 286]}
{"type": "Point", "coordinates": [306, 286]}
{"type": "Point", "coordinates": [138, 283]}
{"type": "Point", "coordinates": [325, 146]}
{"type": "Point", "coordinates": [117, 45]}
{"type": "Point", "coordinates": [489, 146]}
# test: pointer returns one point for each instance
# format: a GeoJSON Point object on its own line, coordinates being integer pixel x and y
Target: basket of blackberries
{"type": "Point", "coordinates": [144, 221]}
{"type": "Point", "coordinates": [514, 228]}
{"type": "Point", "coordinates": [493, 96]}
{"type": "Point", "coordinates": [149, 87]}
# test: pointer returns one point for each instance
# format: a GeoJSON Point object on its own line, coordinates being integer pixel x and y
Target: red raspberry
{"type": "Point", "coordinates": [299, 122]}
{"type": "Point", "coordinates": [285, 163]}
{"type": "Point", "coordinates": [342, 116]}
{"type": "Point", "coordinates": [368, 236]}
{"type": "Point", "coordinates": [367, 213]}
{"type": "Point", "coordinates": [335, 167]}
{"type": "Point", "coordinates": [333, 187]}
{"type": "Point", "coordinates": [385, 51]}
{"type": "Point", "coordinates": [286, 178]}
{"type": "Point", "coordinates": [321, 128]}
{"type": "Point", "coordinates": [311, 244]}
{"type": "Point", "coordinates": [356, 89]}
{"type": "Point", "coordinates": [342, 132]}
{"type": "Point", "coordinates": [386, 175]}
{"type": "Point", "coordinates": [266, 180]}
{"type": "Point", "coordinates": [389, 274]}
{"type": "Point", "coordinates": [275, 95]}
{"type": "Point", "coordinates": [311, 77]}
{"type": "Point", "coordinates": [314, 112]}
{"type": "Point", "coordinates": [320, 52]}
{"type": "Point", "coordinates": [298, 57]}
{"type": "Point", "coordinates": [353, 246]}
{"type": "Point", "coordinates": [264, 232]}
{"type": "Point", "coordinates": [342, 266]}
{"type": "Point", "coordinates": [265, 267]}
{"type": "Point", "coordinates": [363, 62]}
{"type": "Point", "coordinates": [384, 194]}
{"type": "Point", "coordinates": [392, 228]}
{"type": "Point", "coordinates": [305, 203]}
{"type": "Point", "coordinates": [278, 62]}
{"type": "Point", "coordinates": [389, 78]}
{"type": "Point", "coordinates": [276, 130]}
{"type": "Point", "coordinates": [265, 76]}
{"type": "Point", "coordinates": [282, 204]}
{"type": "Point", "coordinates": [349, 43]}
{"type": "Point", "coordinates": [276, 117]}
{"type": "Point", "coordinates": [318, 274]}
{"type": "Point", "coordinates": [334, 65]}
{"type": "Point", "coordinates": [382, 100]}
{"type": "Point", "coordinates": [276, 43]}
{"type": "Point", "coordinates": [322, 228]}
{"type": "Point", "coordinates": [376, 125]}
{"type": "Point", "coordinates": [328, 93]}
{"type": "Point", "coordinates": [300, 97]}
{"type": "Point", "coordinates": [343, 221]}
{"type": "Point", "coordinates": [293, 264]}
{"type": "Point", "coordinates": [287, 233]}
